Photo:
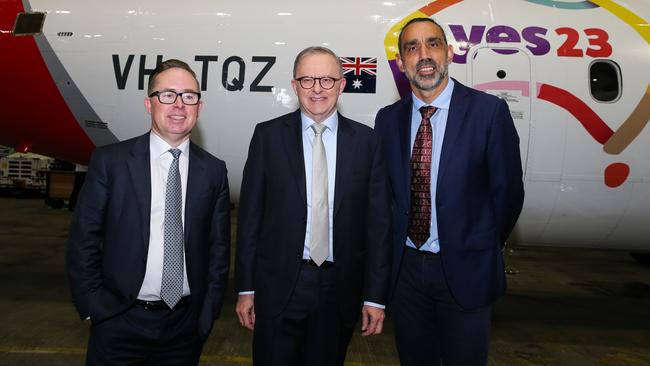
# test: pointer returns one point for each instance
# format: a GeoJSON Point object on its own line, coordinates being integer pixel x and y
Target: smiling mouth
{"type": "Point", "coordinates": [426, 70]}
{"type": "Point", "coordinates": [177, 118]}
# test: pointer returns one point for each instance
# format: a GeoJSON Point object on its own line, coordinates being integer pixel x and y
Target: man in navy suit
{"type": "Point", "coordinates": [301, 296]}
{"type": "Point", "coordinates": [148, 251]}
{"type": "Point", "coordinates": [456, 176]}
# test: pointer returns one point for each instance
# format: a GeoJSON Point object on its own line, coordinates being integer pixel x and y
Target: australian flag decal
{"type": "Point", "coordinates": [360, 74]}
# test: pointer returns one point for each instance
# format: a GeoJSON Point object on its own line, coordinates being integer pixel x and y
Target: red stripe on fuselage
{"type": "Point", "coordinates": [34, 111]}
{"type": "Point", "coordinates": [596, 127]}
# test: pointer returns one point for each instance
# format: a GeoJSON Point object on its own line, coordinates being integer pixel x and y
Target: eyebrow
{"type": "Point", "coordinates": [316, 77]}
{"type": "Point", "coordinates": [176, 91]}
{"type": "Point", "coordinates": [416, 41]}
{"type": "Point", "coordinates": [411, 42]}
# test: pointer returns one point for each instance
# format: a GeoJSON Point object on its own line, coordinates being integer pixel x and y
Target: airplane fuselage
{"type": "Point", "coordinates": [574, 75]}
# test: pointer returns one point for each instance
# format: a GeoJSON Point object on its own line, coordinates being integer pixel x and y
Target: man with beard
{"type": "Point", "coordinates": [454, 165]}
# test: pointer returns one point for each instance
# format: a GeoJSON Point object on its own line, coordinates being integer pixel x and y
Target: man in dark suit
{"type": "Point", "coordinates": [313, 238]}
{"type": "Point", "coordinates": [456, 175]}
{"type": "Point", "coordinates": [148, 251]}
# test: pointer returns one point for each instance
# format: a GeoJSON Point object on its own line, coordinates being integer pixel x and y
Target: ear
{"type": "Point", "coordinates": [294, 85]}
{"type": "Point", "coordinates": [342, 85]}
{"type": "Point", "coordinates": [400, 64]}
{"type": "Point", "coordinates": [450, 54]}
{"type": "Point", "coordinates": [147, 104]}
{"type": "Point", "coordinates": [200, 107]}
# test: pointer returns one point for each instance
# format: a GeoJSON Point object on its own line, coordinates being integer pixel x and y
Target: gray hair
{"type": "Point", "coordinates": [315, 50]}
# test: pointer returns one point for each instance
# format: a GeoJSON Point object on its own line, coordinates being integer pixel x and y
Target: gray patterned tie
{"type": "Point", "coordinates": [171, 288]}
{"type": "Point", "coordinates": [319, 246]}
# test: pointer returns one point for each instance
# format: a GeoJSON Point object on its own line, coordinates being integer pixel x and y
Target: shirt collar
{"type": "Point", "coordinates": [441, 102]}
{"type": "Point", "coordinates": [331, 122]}
{"type": "Point", "coordinates": [159, 147]}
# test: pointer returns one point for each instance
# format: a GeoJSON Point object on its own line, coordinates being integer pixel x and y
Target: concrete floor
{"type": "Point", "coordinates": [564, 307]}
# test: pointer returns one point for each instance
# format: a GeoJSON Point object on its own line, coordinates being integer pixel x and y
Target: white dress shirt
{"type": "Point", "coordinates": [160, 161]}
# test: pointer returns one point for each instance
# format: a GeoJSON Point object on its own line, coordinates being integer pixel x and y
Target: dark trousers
{"type": "Point", "coordinates": [146, 337]}
{"type": "Point", "coordinates": [309, 330]}
{"type": "Point", "coordinates": [430, 328]}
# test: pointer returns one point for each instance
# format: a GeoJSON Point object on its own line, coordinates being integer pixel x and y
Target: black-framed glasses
{"type": "Point", "coordinates": [169, 97]}
{"type": "Point", "coordinates": [308, 82]}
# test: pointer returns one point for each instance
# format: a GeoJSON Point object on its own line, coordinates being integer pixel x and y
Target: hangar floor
{"type": "Point", "coordinates": [564, 307]}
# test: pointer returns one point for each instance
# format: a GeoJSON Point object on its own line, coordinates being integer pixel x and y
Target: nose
{"type": "Point", "coordinates": [317, 88]}
{"type": "Point", "coordinates": [423, 53]}
{"type": "Point", "coordinates": [178, 103]}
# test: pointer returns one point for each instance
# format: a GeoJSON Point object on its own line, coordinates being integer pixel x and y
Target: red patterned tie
{"type": "Point", "coordinates": [420, 219]}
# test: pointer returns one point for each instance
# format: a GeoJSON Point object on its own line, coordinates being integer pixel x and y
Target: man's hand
{"type": "Point", "coordinates": [372, 320]}
{"type": "Point", "coordinates": [246, 311]}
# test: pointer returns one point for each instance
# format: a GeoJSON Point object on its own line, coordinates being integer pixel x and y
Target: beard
{"type": "Point", "coordinates": [428, 82]}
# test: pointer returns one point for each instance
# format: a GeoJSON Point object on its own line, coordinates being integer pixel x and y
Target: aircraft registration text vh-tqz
{"type": "Point", "coordinates": [574, 73]}
{"type": "Point", "coordinates": [237, 82]}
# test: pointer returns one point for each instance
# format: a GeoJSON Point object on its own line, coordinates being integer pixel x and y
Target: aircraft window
{"type": "Point", "coordinates": [605, 80]}
{"type": "Point", "coordinates": [28, 24]}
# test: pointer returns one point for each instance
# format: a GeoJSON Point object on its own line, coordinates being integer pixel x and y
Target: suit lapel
{"type": "Point", "coordinates": [292, 141]}
{"type": "Point", "coordinates": [455, 119]}
{"type": "Point", "coordinates": [140, 170]}
{"type": "Point", "coordinates": [196, 178]}
{"type": "Point", "coordinates": [346, 147]}
{"type": "Point", "coordinates": [404, 132]}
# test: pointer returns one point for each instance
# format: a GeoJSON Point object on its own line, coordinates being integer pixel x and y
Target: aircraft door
{"type": "Point", "coordinates": [506, 73]}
